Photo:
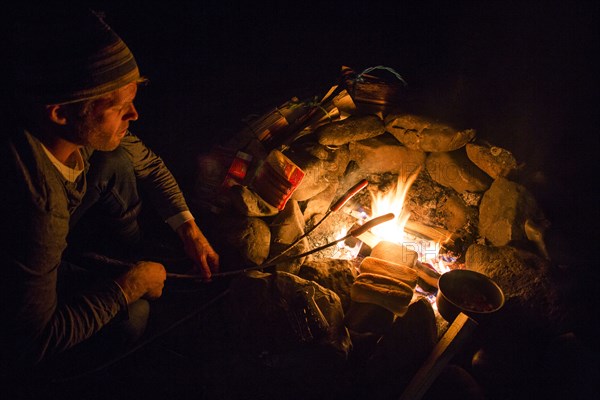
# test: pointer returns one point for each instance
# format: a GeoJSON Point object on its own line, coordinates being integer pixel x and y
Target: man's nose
{"type": "Point", "coordinates": [132, 114]}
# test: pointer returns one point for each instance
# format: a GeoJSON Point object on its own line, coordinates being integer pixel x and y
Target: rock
{"type": "Point", "coordinates": [420, 133]}
{"type": "Point", "coordinates": [504, 210]}
{"type": "Point", "coordinates": [536, 310]}
{"type": "Point", "coordinates": [351, 129]}
{"type": "Point", "coordinates": [249, 237]}
{"type": "Point", "coordinates": [334, 274]}
{"type": "Point", "coordinates": [368, 318]}
{"type": "Point", "coordinates": [249, 204]}
{"type": "Point", "coordinates": [318, 172]}
{"type": "Point", "coordinates": [319, 204]}
{"type": "Point", "coordinates": [385, 154]}
{"type": "Point", "coordinates": [494, 161]}
{"type": "Point", "coordinates": [458, 381]}
{"type": "Point", "coordinates": [455, 170]}
{"type": "Point", "coordinates": [455, 213]}
{"type": "Point", "coordinates": [285, 229]}
{"type": "Point", "coordinates": [402, 350]}
{"type": "Point", "coordinates": [533, 296]}
{"type": "Point", "coordinates": [318, 151]}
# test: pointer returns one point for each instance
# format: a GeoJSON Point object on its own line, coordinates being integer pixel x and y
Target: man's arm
{"type": "Point", "coordinates": [42, 315]}
{"type": "Point", "coordinates": [198, 248]}
{"type": "Point", "coordinates": [166, 195]}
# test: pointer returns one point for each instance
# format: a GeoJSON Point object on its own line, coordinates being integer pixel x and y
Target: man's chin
{"type": "Point", "coordinates": [106, 146]}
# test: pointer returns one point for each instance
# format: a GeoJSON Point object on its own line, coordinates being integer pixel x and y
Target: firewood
{"type": "Point", "coordinates": [436, 234]}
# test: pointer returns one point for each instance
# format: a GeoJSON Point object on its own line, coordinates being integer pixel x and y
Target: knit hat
{"type": "Point", "coordinates": [69, 57]}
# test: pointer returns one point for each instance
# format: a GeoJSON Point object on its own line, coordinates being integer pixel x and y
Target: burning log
{"type": "Point", "coordinates": [437, 234]}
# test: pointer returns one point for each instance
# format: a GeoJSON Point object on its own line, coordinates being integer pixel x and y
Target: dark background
{"type": "Point", "coordinates": [523, 74]}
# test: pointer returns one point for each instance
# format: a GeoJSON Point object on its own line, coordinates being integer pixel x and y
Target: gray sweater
{"type": "Point", "coordinates": [36, 204]}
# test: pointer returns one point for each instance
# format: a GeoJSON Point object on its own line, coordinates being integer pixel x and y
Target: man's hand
{"type": "Point", "coordinates": [197, 247]}
{"type": "Point", "coordinates": [144, 279]}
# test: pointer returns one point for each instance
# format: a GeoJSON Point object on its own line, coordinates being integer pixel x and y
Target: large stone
{"type": "Point", "coordinates": [334, 274]}
{"type": "Point", "coordinates": [532, 288]}
{"type": "Point", "coordinates": [494, 161]}
{"type": "Point", "coordinates": [420, 133]}
{"type": "Point", "coordinates": [504, 211]}
{"type": "Point", "coordinates": [455, 170]}
{"type": "Point", "coordinates": [249, 238]}
{"type": "Point", "coordinates": [319, 204]}
{"type": "Point", "coordinates": [366, 318]}
{"type": "Point", "coordinates": [285, 229]}
{"type": "Point", "coordinates": [402, 350]}
{"type": "Point", "coordinates": [249, 204]}
{"type": "Point", "coordinates": [351, 129]}
{"type": "Point", "coordinates": [319, 172]}
{"type": "Point", "coordinates": [455, 213]}
{"type": "Point", "coordinates": [385, 154]}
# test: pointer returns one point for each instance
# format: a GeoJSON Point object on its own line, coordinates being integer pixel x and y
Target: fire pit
{"type": "Point", "coordinates": [459, 209]}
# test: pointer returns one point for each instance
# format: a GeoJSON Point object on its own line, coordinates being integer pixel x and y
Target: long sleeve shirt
{"type": "Point", "coordinates": [152, 173]}
{"type": "Point", "coordinates": [36, 205]}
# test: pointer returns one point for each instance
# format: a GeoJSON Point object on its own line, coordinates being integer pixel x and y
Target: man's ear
{"type": "Point", "coordinates": [57, 113]}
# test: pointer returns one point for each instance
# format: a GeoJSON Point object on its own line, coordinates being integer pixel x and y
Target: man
{"type": "Point", "coordinates": [75, 83]}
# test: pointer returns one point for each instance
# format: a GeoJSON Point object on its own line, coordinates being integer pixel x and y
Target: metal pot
{"type": "Point", "coordinates": [470, 292]}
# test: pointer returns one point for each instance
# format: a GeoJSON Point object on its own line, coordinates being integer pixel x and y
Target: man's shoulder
{"type": "Point", "coordinates": [26, 173]}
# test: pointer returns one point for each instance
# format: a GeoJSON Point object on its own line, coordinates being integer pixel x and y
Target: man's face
{"type": "Point", "coordinates": [107, 121]}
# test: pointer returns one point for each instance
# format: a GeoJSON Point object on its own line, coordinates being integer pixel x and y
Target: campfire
{"type": "Point", "coordinates": [307, 174]}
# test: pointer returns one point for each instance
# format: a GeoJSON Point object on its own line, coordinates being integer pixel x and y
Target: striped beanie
{"type": "Point", "coordinates": [69, 57]}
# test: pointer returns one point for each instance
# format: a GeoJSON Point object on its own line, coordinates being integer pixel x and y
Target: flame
{"type": "Point", "coordinates": [393, 231]}
{"type": "Point", "coordinates": [392, 201]}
